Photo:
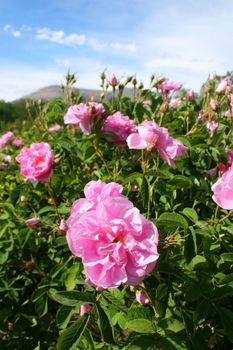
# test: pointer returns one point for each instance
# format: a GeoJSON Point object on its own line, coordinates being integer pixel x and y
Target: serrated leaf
{"type": "Point", "coordinates": [172, 219]}
{"type": "Point", "coordinates": [70, 276]}
{"type": "Point", "coordinates": [71, 336]}
{"type": "Point", "coordinates": [46, 209]}
{"type": "Point", "coordinates": [191, 214]}
{"type": "Point", "coordinates": [71, 298]}
{"type": "Point", "coordinates": [140, 325]}
{"type": "Point", "coordinates": [105, 325]}
{"type": "Point", "coordinates": [63, 316]}
{"type": "Point", "coordinates": [180, 181]}
{"type": "Point", "coordinates": [117, 303]}
{"type": "Point", "coordinates": [132, 177]}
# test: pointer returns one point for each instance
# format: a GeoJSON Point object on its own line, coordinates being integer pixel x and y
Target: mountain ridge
{"type": "Point", "coordinates": [51, 92]}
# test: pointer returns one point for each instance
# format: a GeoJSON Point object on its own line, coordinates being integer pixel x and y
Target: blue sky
{"type": "Point", "coordinates": [184, 40]}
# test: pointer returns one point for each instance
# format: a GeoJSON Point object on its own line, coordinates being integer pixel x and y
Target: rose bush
{"type": "Point", "coordinates": [82, 271]}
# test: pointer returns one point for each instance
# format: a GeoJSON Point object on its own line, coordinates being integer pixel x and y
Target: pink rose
{"type": "Point", "coordinates": [223, 190]}
{"type": "Point", "coordinates": [83, 116]}
{"type": "Point", "coordinates": [142, 297]}
{"type": "Point", "coordinates": [229, 113]}
{"type": "Point", "coordinates": [36, 162]}
{"type": "Point", "coordinates": [190, 95]}
{"type": "Point", "coordinates": [167, 86]}
{"type": "Point", "coordinates": [224, 167]}
{"type": "Point", "coordinates": [33, 222]}
{"type": "Point", "coordinates": [213, 104]}
{"type": "Point", "coordinates": [121, 125]}
{"type": "Point", "coordinates": [85, 309]}
{"type": "Point", "coordinates": [5, 138]}
{"type": "Point", "coordinates": [55, 128]}
{"type": "Point", "coordinates": [223, 85]}
{"type": "Point", "coordinates": [174, 102]}
{"type": "Point", "coordinates": [151, 136]}
{"type": "Point", "coordinates": [211, 126]}
{"type": "Point", "coordinates": [116, 243]}
{"type": "Point", "coordinates": [7, 159]}
{"type": "Point", "coordinates": [17, 143]}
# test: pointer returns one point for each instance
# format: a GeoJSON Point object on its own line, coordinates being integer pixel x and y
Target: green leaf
{"type": "Point", "coordinates": [226, 316]}
{"type": "Point", "coordinates": [172, 324]}
{"type": "Point", "coordinates": [46, 209]}
{"type": "Point", "coordinates": [63, 316]}
{"type": "Point", "coordinates": [138, 311]}
{"type": "Point", "coordinates": [105, 325]}
{"type": "Point", "coordinates": [140, 326]}
{"type": "Point", "coordinates": [71, 336]}
{"type": "Point", "coordinates": [198, 259]}
{"type": "Point", "coordinates": [71, 298]}
{"type": "Point", "coordinates": [70, 276]}
{"type": "Point", "coordinates": [172, 219]}
{"type": "Point", "coordinates": [180, 181]}
{"type": "Point", "coordinates": [191, 214]}
{"type": "Point", "coordinates": [227, 257]}
{"type": "Point", "coordinates": [190, 247]}
{"type": "Point", "coordinates": [201, 311]}
{"type": "Point", "coordinates": [132, 177]}
{"type": "Point", "coordinates": [41, 306]}
{"type": "Point", "coordinates": [222, 292]}
{"type": "Point", "coordinates": [117, 303]}
{"type": "Point", "coordinates": [139, 342]}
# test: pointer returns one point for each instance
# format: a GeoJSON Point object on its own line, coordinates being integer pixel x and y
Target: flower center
{"type": "Point", "coordinates": [39, 160]}
{"type": "Point", "coordinates": [120, 238]}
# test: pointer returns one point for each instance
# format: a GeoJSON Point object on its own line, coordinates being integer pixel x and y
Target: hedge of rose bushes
{"type": "Point", "coordinates": [116, 220]}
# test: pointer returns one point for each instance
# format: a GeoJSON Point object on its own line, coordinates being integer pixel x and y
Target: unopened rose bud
{"type": "Point", "coordinates": [141, 86]}
{"type": "Point", "coordinates": [190, 95]}
{"type": "Point", "coordinates": [128, 79]}
{"type": "Point", "coordinates": [113, 80]}
{"type": "Point", "coordinates": [142, 297]}
{"type": "Point", "coordinates": [85, 309]}
{"type": "Point", "coordinates": [63, 226]}
{"type": "Point", "coordinates": [121, 87]}
{"type": "Point", "coordinates": [33, 222]}
{"type": "Point", "coordinates": [134, 81]}
{"type": "Point", "coordinates": [212, 172]}
{"type": "Point", "coordinates": [102, 76]}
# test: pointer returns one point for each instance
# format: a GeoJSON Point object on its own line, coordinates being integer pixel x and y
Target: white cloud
{"type": "Point", "coordinates": [59, 37]}
{"type": "Point", "coordinates": [15, 33]}
{"type": "Point", "coordinates": [123, 47]}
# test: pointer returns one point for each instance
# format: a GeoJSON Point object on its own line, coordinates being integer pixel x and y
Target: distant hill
{"type": "Point", "coordinates": [54, 91]}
